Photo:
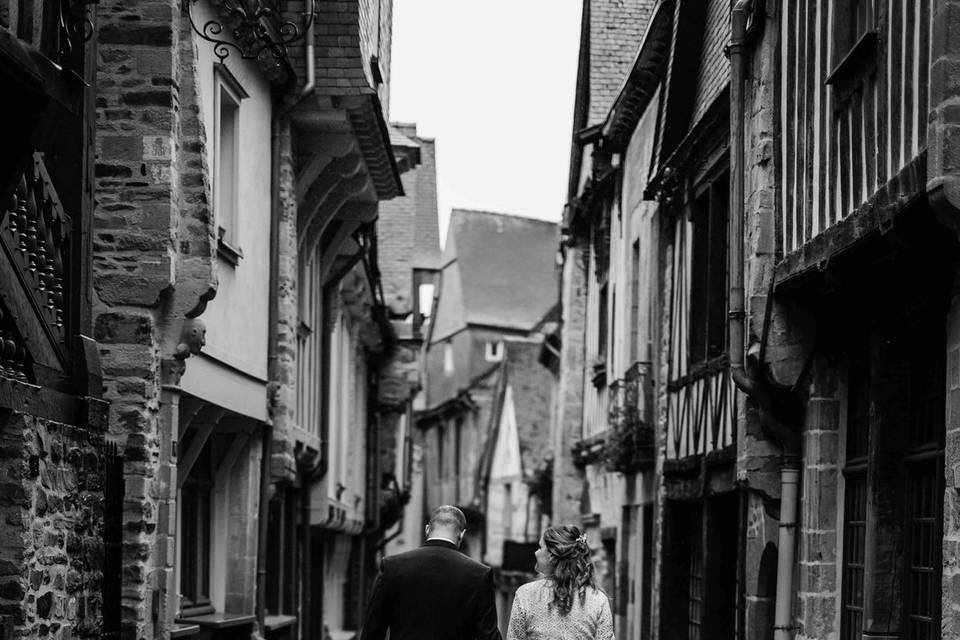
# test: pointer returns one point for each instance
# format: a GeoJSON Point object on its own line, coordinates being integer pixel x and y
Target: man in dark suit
{"type": "Point", "coordinates": [434, 592]}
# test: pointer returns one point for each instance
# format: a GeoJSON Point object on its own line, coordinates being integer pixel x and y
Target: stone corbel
{"type": "Point", "coordinates": [185, 335]}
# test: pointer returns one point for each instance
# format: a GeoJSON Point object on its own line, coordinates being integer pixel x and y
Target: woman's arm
{"type": "Point", "coordinates": [517, 629]}
{"type": "Point", "coordinates": [605, 624]}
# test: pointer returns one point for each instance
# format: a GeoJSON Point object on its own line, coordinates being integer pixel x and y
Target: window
{"type": "Point", "coordinates": [854, 42]}
{"type": "Point", "coordinates": [635, 302]}
{"type": "Point", "coordinates": [900, 439]}
{"type": "Point", "coordinates": [226, 174]}
{"type": "Point", "coordinates": [855, 497]}
{"type": "Point", "coordinates": [447, 358]}
{"type": "Point", "coordinates": [508, 511]}
{"type": "Point", "coordinates": [708, 286]}
{"type": "Point", "coordinates": [602, 322]}
{"type": "Point", "coordinates": [441, 454]}
{"type": "Point", "coordinates": [425, 302]}
{"type": "Point", "coordinates": [493, 351]}
{"type": "Point", "coordinates": [424, 286]}
{"type": "Point", "coordinates": [281, 597]}
{"type": "Point", "coordinates": [457, 442]}
{"type": "Point", "coordinates": [195, 532]}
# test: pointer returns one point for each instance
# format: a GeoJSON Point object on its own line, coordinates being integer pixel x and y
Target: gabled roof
{"type": "Point", "coordinates": [499, 272]}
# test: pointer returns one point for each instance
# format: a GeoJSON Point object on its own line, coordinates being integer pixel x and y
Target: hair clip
{"type": "Point", "coordinates": [583, 539]}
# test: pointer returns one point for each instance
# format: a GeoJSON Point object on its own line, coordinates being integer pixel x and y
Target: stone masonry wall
{"type": "Point", "coordinates": [407, 230]}
{"type": "Point", "coordinates": [951, 505]}
{"type": "Point", "coordinates": [531, 383]}
{"type": "Point", "coordinates": [51, 552]}
{"type": "Point", "coordinates": [943, 174]}
{"type": "Point", "coordinates": [567, 478]}
{"type": "Point", "coordinates": [283, 406]}
{"type": "Point", "coordinates": [152, 266]}
{"type": "Point", "coordinates": [818, 590]}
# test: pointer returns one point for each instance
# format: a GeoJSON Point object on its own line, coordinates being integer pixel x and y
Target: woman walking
{"type": "Point", "coordinates": [565, 603]}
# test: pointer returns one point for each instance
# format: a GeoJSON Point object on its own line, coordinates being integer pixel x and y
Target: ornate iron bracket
{"type": "Point", "coordinates": [255, 29]}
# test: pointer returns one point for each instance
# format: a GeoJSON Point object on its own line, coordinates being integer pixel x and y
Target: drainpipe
{"type": "Point", "coordinates": [749, 382]}
{"type": "Point", "coordinates": [783, 611]}
{"type": "Point", "coordinates": [735, 326]}
{"type": "Point", "coordinates": [276, 208]}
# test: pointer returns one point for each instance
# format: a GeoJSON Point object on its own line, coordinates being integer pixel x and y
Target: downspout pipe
{"type": "Point", "coordinates": [735, 229]}
{"type": "Point", "coordinates": [276, 209]}
{"type": "Point", "coordinates": [783, 610]}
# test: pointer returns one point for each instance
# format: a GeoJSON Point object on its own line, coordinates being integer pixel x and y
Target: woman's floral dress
{"type": "Point", "coordinates": [534, 618]}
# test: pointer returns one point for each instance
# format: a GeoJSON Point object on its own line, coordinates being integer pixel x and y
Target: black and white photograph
{"type": "Point", "coordinates": [480, 320]}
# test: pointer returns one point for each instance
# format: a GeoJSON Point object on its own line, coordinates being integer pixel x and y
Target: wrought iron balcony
{"type": "Point", "coordinates": [630, 441]}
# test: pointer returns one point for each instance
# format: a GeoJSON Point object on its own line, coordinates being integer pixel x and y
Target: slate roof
{"type": "Point", "coordinates": [505, 268]}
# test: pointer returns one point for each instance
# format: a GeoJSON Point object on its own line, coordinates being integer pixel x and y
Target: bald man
{"type": "Point", "coordinates": [434, 592]}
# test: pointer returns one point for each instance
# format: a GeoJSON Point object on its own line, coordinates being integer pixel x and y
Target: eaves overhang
{"type": "Point", "coordinates": [373, 135]}
{"type": "Point", "coordinates": [579, 211]}
{"type": "Point", "coordinates": [641, 83]}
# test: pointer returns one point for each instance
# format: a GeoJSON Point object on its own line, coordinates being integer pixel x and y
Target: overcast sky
{"type": "Point", "coordinates": [492, 81]}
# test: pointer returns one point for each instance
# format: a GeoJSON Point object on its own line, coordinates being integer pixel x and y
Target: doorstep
{"type": "Point", "coordinates": [219, 620]}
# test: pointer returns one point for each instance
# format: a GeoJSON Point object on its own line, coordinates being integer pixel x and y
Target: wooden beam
{"type": "Point", "coordinates": [204, 429]}
{"type": "Point", "coordinates": [231, 457]}
{"type": "Point", "coordinates": [306, 177]}
{"type": "Point", "coordinates": [361, 211]}
{"type": "Point", "coordinates": [332, 250]}
{"type": "Point", "coordinates": [318, 192]}
{"type": "Point", "coordinates": [345, 192]}
{"type": "Point", "coordinates": [189, 408]}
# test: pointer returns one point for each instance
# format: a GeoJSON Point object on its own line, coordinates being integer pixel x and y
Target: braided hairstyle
{"type": "Point", "coordinates": [572, 566]}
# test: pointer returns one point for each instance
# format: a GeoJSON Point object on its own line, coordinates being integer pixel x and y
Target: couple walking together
{"type": "Point", "coordinates": [437, 593]}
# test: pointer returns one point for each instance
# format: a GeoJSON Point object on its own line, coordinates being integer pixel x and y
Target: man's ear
{"type": "Point", "coordinates": [462, 533]}
{"type": "Point", "coordinates": [426, 531]}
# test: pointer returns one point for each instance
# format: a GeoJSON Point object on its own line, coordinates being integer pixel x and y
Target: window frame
{"type": "Point", "coordinates": [196, 558]}
{"type": "Point", "coordinates": [708, 211]}
{"type": "Point", "coordinates": [226, 86]}
{"type": "Point", "coordinates": [493, 351]}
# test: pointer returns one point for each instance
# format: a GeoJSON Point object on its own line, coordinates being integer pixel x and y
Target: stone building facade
{"type": "Point", "coordinates": [192, 326]}
{"type": "Point", "coordinates": [792, 284]}
{"type": "Point", "coordinates": [61, 486]}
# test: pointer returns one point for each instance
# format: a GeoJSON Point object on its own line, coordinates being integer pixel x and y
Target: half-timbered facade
{"type": "Point", "coordinates": [805, 216]}
{"type": "Point", "coordinates": [855, 341]}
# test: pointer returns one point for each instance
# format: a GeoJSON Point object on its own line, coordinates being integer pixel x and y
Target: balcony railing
{"type": "Point", "coordinates": [630, 441]}
{"type": "Point", "coordinates": [701, 410]}
{"type": "Point", "coordinates": [35, 236]}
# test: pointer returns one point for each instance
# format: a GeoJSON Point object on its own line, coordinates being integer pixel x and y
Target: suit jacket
{"type": "Point", "coordinates": [432, 593]}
